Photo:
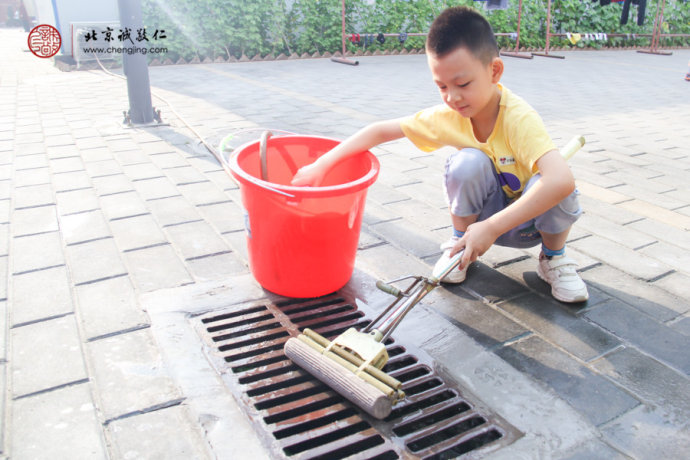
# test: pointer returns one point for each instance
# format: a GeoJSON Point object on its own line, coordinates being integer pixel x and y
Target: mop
{"type": "Point", "coordinates": [355, 358]}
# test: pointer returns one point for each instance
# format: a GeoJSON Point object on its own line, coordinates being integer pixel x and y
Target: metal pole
{"type": "Point", "coordinates": [343, 59]}
{"type": "Point", "coordinates": [517, 52]}
{"type": "Point", "coordinates": [548, 37]}
{"type": "Point", "coordinates": [656, 32]}
{"type": "Point", "coordinates": [659, 24]}
{"type": "Point", "coordinates": [517, 41]}
{"type": "Point", "coordinates": [548, 27]}
{"type": "Point", "coordinates": [134, 64]}
{"type": "Point", "coordinates": [342, 35]}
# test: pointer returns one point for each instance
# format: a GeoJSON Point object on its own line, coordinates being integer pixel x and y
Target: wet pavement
{"type": "Point", "coordinates": [115, 239]}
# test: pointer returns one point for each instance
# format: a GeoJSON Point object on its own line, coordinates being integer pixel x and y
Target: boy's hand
{"type": "Point", "coordinates": [476, 241]}
{"type": "Point", "coordinates": [310, 175]}
{"type": "Point", "coordinates": [364, 139]}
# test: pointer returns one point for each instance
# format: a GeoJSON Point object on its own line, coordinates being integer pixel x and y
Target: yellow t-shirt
{"type": "Point", "coordinates": [517, 141]}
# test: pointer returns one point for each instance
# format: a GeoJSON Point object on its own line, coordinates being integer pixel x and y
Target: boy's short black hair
{"type": "Point", "coordinates": [462, 26]}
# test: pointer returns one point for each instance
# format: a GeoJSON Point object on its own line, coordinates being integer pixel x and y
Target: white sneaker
{"type": "Point", "coordinates": [455, 276]}
{"type": "Point", "coordinates": [559, 272]}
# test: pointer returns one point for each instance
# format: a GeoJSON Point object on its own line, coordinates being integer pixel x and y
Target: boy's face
{"type": "Point", "coordinates": [466, 84]}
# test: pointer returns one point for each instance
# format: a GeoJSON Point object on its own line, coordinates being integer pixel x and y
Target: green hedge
{"type": "Point", "coordinates": [212, 28]}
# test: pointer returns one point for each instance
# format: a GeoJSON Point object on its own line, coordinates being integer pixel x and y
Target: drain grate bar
{"type": "Point", "coordinates": [254, 340]}
{"type": "Point", "coordinates": [411, 374]}
{"type": "Point", "coordinates": [290, 383]}
{"type": "Point", "coordinates": [337, 329]}
{"type": "Point", "coordinates": [317, 324]}
{"type": "Point", "coordinates": [348, 446]}
{"type": "Point", "coordinates": [237, 324]}
{"type": "Point", "coordinates": [275, 389]}
{"type": "Point", "coordinates": [268, 371]}
{"type": "Point", "coordinates": [351, 451]}
{"type": "Point", "coordinates": [319, 313]}
{"type": "Point", "coordinates": [423, 386]}
{"type": "Point", "coordinates": [316, 402]}
{"type": "Point", "coordinates": [444, 432]}
{"type": "Point", "coordinates": [275, 371]}
{"type": "Point", "coordinates": [399, 363]}
{"type": "Point", "coordinates": [430, 417]}
{"type": "Point", "coordinates": [309, 420]}
{"type": "Point", "coordinates": [297, 393]}
{"type": "Point", "coordinates": [244, 313]}
{"type": "Point", "coordinates": [318, 422]}
{"type": "Point", "coordinates": [317, 418]}
{"type": "Point", "coordinates": [267, 358]}
{"type": "Point", "coordinates": [394, 351]}
{"type": "Point", "coordinates": [256, 328]}
{"type": "Point", "coordinates": [460, 443]}
{"type": "Point", "coordinates": [417, 404]}
{"type": "Point", "coordinates": [332, 312]}
{"type": "Point", "coordinates": [254, 352]}
{"type": "Point", "coordinates": [486, 436]}
{"type": "Point", "coordinates": [327, 434]}
{"type": "Point", "coordinates": [292, 305]}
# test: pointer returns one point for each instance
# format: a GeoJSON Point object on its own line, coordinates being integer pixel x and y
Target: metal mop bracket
{"type": "Point", "coordinates": [373, 352]}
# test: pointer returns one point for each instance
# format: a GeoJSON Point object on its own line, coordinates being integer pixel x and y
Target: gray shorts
{"type": "Point", "coordinates": [473, 186]}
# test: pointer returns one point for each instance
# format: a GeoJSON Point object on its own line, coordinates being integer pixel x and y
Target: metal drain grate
{"type": "Point", "coordinates": [303, 418]}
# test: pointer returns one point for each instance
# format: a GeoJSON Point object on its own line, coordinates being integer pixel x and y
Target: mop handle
{"type": "Point", "coordinates": [391, 322]}
{"type": "Point", "coordinates": [389, 289]}
{"type": "Point", "coordinates": [572, 147]}
{"type": "Point", "coordinates": [438, 275]}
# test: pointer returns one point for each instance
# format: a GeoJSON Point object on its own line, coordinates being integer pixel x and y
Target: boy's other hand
{"type": "Point", "coordinates": [308, 176]}
{"type": "Point", "coordinates": [476, 241]}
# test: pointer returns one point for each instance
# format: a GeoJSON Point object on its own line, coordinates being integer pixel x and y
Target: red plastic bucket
{"type": "Point", "coordinates": [301, 241]}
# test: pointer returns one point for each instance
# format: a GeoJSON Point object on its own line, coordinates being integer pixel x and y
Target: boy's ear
{"type": "Point", "coordinates": [496, 69]}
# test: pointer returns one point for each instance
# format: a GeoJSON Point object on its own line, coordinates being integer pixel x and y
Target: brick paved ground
{"type": "Point", "coordinates": [94, 217]}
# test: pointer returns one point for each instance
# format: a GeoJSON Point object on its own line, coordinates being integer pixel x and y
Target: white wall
{"type": "Point", "coordinates": [67, 12]}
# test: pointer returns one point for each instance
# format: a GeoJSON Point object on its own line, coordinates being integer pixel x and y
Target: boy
{"type": "Point", "coordinates": [504, 154]}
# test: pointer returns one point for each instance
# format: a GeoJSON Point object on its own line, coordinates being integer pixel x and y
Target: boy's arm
{"type": "Point", "coordinates": [556, 184]}
{"type": "Point", "coordinates": [364, 139]}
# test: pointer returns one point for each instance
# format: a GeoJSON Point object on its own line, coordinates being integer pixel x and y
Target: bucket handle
{"type": "Point", "coordinates": [262, 146]}
{"type": "Point", "coordinates": [226, 139]}
{"type": "Point", "coordinates": [262, 153]}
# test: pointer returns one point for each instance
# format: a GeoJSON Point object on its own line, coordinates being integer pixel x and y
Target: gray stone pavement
{"type": "Point", "coordinates": [110, 237]}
